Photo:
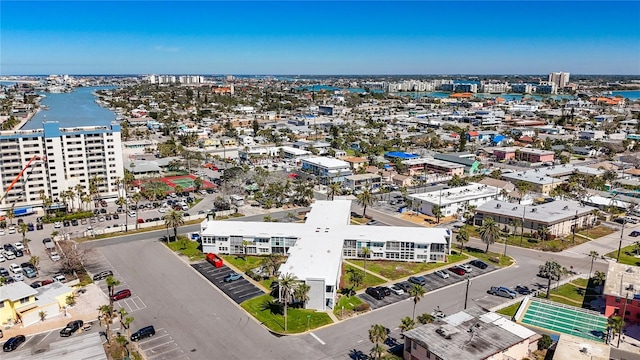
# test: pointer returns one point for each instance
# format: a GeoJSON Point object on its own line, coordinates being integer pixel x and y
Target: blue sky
{"type": "Point", "coordinates": [323, 37]}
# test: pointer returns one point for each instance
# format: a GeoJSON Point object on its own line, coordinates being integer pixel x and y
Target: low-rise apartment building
{"type": "Point", "coordinates": [317, 247]}
{"type": "Point", "coordinates": [540, 182]}
{"type": "Point", "coordinates": [328, 170]}
{"type": "Point", "coordinates": [63, 158]}
{"type": "Point", "coordinates": [452, 201]}
{"type": "Point", "coordinates": [362, 181]}
{"type": "Point", "coordinates": [523, 154]}
{"type": "Point", "coordinates": [431, 165]}
{"type": "Point", "coordinates": [560, 217]}
{"type": "Point", "coordinates": [622, 292]}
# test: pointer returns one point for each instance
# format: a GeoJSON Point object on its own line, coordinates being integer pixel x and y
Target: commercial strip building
{"type": "Point", "coordinates": [558, 216]}
{"type": "Point", "coordinates": [622, 292]}
{"type": "Point", "coordinates": [452, 201]}
{"type": "Point", "coordinates": [62, 159]}
{"type": "Point", "coordinates": [317, 247]}
{"type": "Point", "coordinates": [470, 335]}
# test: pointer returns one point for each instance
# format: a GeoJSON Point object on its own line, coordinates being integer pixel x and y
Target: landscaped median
{"type": "Point", "coordinates": [629, 255]}
{"type": "Point", "coordinates": [271, 314]}
{"type": "Point", "coordinates": [529, 242]}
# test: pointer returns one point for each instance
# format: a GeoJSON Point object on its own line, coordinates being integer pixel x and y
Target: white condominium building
{"type": "Point", "coordinates": [316, 248]}
{"type": "Point", "coordinates": [451, 201]}
{"type": "Point", "coordinates": [62, 159]}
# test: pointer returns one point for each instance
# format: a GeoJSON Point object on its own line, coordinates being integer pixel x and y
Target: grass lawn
{"type": "Point", "coordinates": [271, 315]}
{"type": "Point", "coordinates": [489, 257]}
{"type": "Point", "coordinates": [597, 232]}
{"type": "Point", "coordinates": [369, 279]}
{"type": "Point", "coordinates": [348, 303]}
{"type": "Point", "coordinates": [627, 255]}
{"type": "Point", "coordinates": [190, 249]}
{"type": "Point", "coordinates": [510, 310]}
{"type": "Point", "coordinates": [399, 269]}
{"type": "Point", "coordinates": [554, 245]}
{"type": "Point", "coordinates": [574, 293]}
{"type": "Point", "coordinates": [243, 264]}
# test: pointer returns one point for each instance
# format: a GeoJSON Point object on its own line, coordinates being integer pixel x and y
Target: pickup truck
{"type": "Point", "coordinates": [502, 291]}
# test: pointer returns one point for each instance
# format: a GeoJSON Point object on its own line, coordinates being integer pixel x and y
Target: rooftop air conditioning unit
{"type": "Point", "coordinates": [498, 206]}
{"type": "Point", "coordinates": [515, 208]}
{"type": "Point", "coordinates": [566, 207]}
{"type": "Point", "coordinates": [533, 210]}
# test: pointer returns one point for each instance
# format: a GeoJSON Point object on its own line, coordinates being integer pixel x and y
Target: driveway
{"type": "Point", "coordinates": [239, 290]}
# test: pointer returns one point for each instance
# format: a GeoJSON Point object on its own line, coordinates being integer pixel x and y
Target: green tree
{"type": "Point", "coordinates": [545, 342]}
{"type": "Point", "coordinates": [301, 293]}
{"type": "Point", "coordinates": [287, 284]}
{"type": "Point", "coordinates": [416, 292]}
{"type": "Point", "coordinates": [111, 286]}
{"type": "Point", "coordinates": [174, 219]}
{"type": "Point", "coordinates": [406, 324]}
{"type": "Point", "coordinates": [121, 201]}
{"type": "Point", "coordinates": [552, 271]}
{"type": "Point", "coordinates": [524, 188]}
{"type": "Point", "coordinates": [106, 316]}
{"type": "Point", "coordinates": [197, 183]}
{"type": "Point", "coordinates": [334, 189]}
{"type": "Point", "coordinates": [616, 324]}
{"type": "Point", "coordinates": [426, 318]}
{"type": "Point", "coordinates": [437, 212]}
{"type": "Point", "coordinates": [272, 263]}
{"type": "Point", "coordinates": [366, 252]}
{"type": "Point", "coordinates": [489, 232]}
{"type": "Point", "coordinates": [136, 197]}
{"type": "Point", "coordinates": [364, 199]}
{"type": "Point", "coordinates": [35, 261]}
{"type": "Point", "coordinates": [377, 335]}
{"type": "Point", "coordinates": [462, 237]}
{"type": "Point", "coordinates": [599, 278]}
{"type": "Point", "coordinates": [70, 300]}
{"type": "Point", "coordinates": [23, 228]}
{"type": "Point", "coordinates": [355, 278]}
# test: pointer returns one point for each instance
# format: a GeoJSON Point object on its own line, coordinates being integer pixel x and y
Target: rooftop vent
{"type": "Point", "coordinates": [498, 206]}
{"type": "Point", "coordinates": [447, 332]}
{"type": "Point", "coordinates": [566, 207]}
{"type": "Point", "coordinates": [515, 208]}
{"type": "Point", "coordinates": [533, 210]}
{"type": "Point", "coordinates": [629, 270]}
{"type": "Point", "coordinates": [326, 230]}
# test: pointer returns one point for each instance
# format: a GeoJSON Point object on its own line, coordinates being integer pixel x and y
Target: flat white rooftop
{"type": "Point", "coordinates": [549, 213]}
{"type": "Point", "coordinates": [432, 161]}
{"type": "Point", "coordinates": [458, 194]}
{"type": "Point", "coordinates": [326, 162]}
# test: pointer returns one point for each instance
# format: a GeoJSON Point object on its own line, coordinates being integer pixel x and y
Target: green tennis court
{"type": "Point", "coordinates": [565, 319]}
{"type": "Point", "coordinates": [184, 182]}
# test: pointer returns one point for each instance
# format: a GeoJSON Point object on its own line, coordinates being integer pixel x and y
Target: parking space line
{"type": "Point", "coordinates": [317, 338]}
{"type": "Point", "coordinates": [166, 352]}
{"type": "Point", "coordinates": [162, 344]}
{"type": "Point", "coordinates": [44, 338]}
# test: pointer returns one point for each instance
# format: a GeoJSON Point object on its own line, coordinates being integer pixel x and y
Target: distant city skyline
{"type": "Point", "coordinates": [319, 38]}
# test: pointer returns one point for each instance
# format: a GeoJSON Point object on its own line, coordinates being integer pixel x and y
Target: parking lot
{"type": "Point", "coordinates": [161, 346]}
{"type": "Point", "coordinates": [432, 282]}
{"type": "Point", "coordinates": [239, 290]}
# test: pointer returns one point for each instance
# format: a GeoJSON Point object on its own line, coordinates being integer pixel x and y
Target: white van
{"type": "Point", "coordinates": [132, 213]}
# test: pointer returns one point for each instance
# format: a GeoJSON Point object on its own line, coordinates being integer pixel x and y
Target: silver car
{"type": "Point", "coordinates": [442, 274]}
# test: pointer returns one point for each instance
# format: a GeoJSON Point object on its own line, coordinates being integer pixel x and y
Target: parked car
{"type": "Point", "coordinates": [417, 280]}
{"type": "Point", "coordinates": [15, 268]}
{"type": "Point", "coordinates": [74, 222]}
{"type": "Point", "coordinates": [634, 233]}
{"type": "Point", "coordinates": [71, 328]}
{"type": "Point", "coordinates": [457, 270]}
{"type": "Point", "coordinates": [232, 277]}
{"type": "Point", "coordinates": [2, 258]}
{"type": "Point", "coordinates": [441, 274]}
{"type": "Point", "coordinates": [465, 267]}
{"type": "Point", "coordinates": [523, 290]}
{"type": "Point", "coordinates": [60, 278]}
{"type": "Point", "coordinates": [29, 272]}
{"type": "Point", "coordinates": [46, 282]}
{"type": "Point", "coordinates": [18, 246]}
{"type": "Point", "coordinates": [39, 226]}
{"type": "Point", "coordinates": [132, 213]}
{"type": "Point", "coordinates": [479, 264]}
{"type": "Point", "coordinates": [396, 290]}
{"type": "Point", "coordinates": [4, 272]}
{"type": "Point", "coordinates": [13, 343]}
{"type": "Point", "coordinates": [12, 229]}
{"type": "Point", "coordinates": [102, 275]}
{"type": "Point", "coordinates": [54, 256]}
{"type": "Point", "coordinates": [374, 293]}
{"type": "Point", "coordinates": [122, 294]}
{"type": "Point", "coordinates": [30, 227]}
{"type": "Point", "coordinates": [57, 224]}
{"type": "Point", "coordinates": [404, 285]}
{"type": "Point", "coordinates": [9, 255]}
{"type": "Point", "coordinates": [116, 216]}
{"type": "Point", "coordinates": [143, 333]}
{"type": "Point", "coordinates": [502, 291]}
{"type": "Point", "coordinates": [384, 290]}
{"type": "Point", "coordinates": [17, 277]}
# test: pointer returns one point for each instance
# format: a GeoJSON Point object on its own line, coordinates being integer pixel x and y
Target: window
{"type": "Point", "coordinates": [328, 288]}
{"type": "Point", "coordinates": [24, 300]}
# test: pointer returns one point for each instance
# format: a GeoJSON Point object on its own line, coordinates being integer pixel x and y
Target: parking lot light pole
{"type": "Point", "coordinates": [620, 243]}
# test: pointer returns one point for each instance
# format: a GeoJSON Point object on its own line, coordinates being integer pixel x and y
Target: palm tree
{"type": "Point", "coordinates": [174, 219]}
{"type": "Point", "coordinates": [122, 341]}
{"type": "Point", "coordinates": [377, 335]}
{"type": "Point", "coordinates": [365, 251]}
{"type": "Point", "coordinates": [79, 193]}
{"type": "Point", "coordinates": [406, 324]}
{"type": "Point", "coordinates": [417, 292]}
{"type": "Point", "coordinates": [197, 183]}
{"type": "Point", "coordinates": [437, 212]}
{"type": "Point", "coordinates": [287, 284]}
{"type": "Point", "coordinates": [364, 199]}
{"type": "Point", "coordinates": [106, 313]}
{"type": "Point", "coordinates": [11, 214]}
{"type": "Point", "coordinates": [301, 293]}
{"type": "Point", "coordinates": [111, 286]}
{"type": "Point", "coordinates": [552, 271]}
{"type": "Point", "coordinates": [489, 232]}
{"type": "Point", "coordinates": [122, 202]}
{"type": "Point", "coordinates": [462, 237]}
{"type": "Point", "coordinates": [23, 228]}
{"type": "Point", "coordinates": [136, 197]}
{"type": "Point", "coordinates": [35, 261]}
{"type": "Point", "coordinates": [616, 324]}
{"type": "Point", "coordinates": [178, 189]}
{"type": "Point", "coordinates": [333, 189]}
{"type": "Point", "coordinates": [593, 255]}
{"type": "Point", "coordinates": [599, 278]}
{"type": "Point", "coordinates": [523, 188]}
{"type": "Point", "coordinates": [515, 224]}
{"type": "Point", "coordinates": [426, 318]}
{"type": "Point", "coordinates": [543, 232]}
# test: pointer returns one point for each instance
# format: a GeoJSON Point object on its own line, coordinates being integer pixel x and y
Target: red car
{"type": "Point", "coordinates": [457, 270]}
{"type": "Point", "coordinates": [121, 294]}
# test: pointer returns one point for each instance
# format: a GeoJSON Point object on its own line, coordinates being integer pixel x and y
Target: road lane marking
{"type": "Point", "coordinates": [44, 338]}
{"type": "Point", "coordinates": [317, 338]}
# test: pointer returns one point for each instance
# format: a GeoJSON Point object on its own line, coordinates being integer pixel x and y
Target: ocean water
{"type": "Point", "coordinates": [628, 94]}
{"type": "Point", "coordinates": [74, 109]}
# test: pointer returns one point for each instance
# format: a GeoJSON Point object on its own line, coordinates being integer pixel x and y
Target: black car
{"type": "Point", "coordinates": [71, 328]}
{"type": "Point", "coordinates": [36, 284]}
{"type": "Point", "coordinates": [384, 290]}
{"type": "Point", "coordinates": [18, 253]}
{"type": "Point", "coordinates": [30, 226]}
{"type": "Point", "coordinates": [479, 264]}
{"type": "Point", "coordinates": [27, 265]}
{"type": "Point", "coordinates": [523, 290]}
{"type": "Point", "coordinates": [4, 272]}
{"type": "Point", "coordinates": [66, 223]}
{"type": "Point", "coordinates": [634, 233]}
{"type": "Point", "coordinates": [39, 226]}
{"type": "Point", "coordinates": [116, 217]}
{"type": "Point", "coordinates": [417, 280]}
{"type": "Point", "coordinates": [145, 332]}
{"type": "Point", "coordinates": [74, 222]}
{"type": "Point", "coordinates": [107, 217]}
{"type": "Point", "coordinates": [103, 211]}
{"type": "Point", "coordinates": [13, 343]}
{"type": "Point", "coordinates": [9, 247]}
{"type": "Point", "coordinates": [374, 293]}
{"type": "Point", "coordinates": [102, 275]}
{"type": "Point", "coordinates": [96, 212]}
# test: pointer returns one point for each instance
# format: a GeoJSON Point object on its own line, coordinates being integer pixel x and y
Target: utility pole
{"type": "Point", "coordinates": [575, 224]}
{"type": "Point", "coordinates": [620, 243]}
{"type": "Point", "coordinates": [466, 293]}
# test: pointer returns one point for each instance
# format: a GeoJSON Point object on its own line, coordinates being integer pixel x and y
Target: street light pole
{"type": "Point", "coordinates": [620, 243]}
{"type": "Point", "coordinates": [575, 224]}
